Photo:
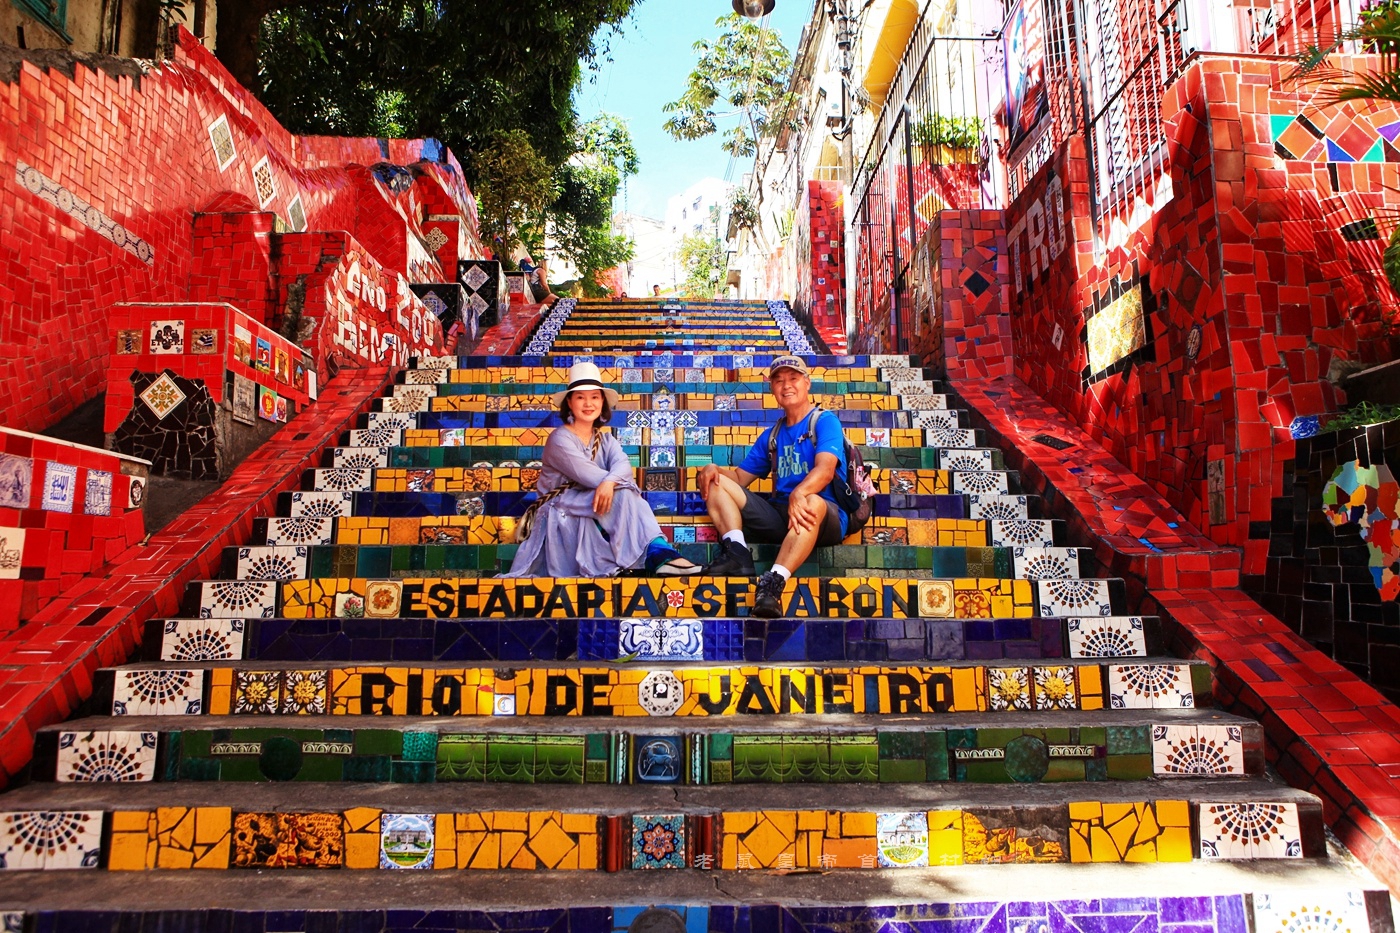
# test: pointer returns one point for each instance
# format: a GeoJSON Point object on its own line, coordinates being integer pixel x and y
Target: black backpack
{"type": "Point", "coordinates": [854, 492]}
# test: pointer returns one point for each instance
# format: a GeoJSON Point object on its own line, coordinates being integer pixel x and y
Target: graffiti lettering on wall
{"type": "Point", "coordinates": [1040, 232]}
{"type": "Point", "coordinates": [1118, 329]}
{"type": "Point", "coordinates": [1366, 497]}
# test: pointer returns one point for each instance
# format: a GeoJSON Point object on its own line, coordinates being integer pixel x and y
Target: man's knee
{"type": "Point", "coordinates": [724, 486]}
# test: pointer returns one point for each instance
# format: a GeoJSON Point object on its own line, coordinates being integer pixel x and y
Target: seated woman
{"type": "Point", "coordinates": [592, 520]}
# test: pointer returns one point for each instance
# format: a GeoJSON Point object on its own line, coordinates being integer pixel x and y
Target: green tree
{"type": "Point", "coordinates": [581, 216]}
{"type": "Point", "coordinates": [702, 257]}
{"type": "Point", "coordinates": [743, 74]}
{"type": "Point", "coordinates": [513, 188]}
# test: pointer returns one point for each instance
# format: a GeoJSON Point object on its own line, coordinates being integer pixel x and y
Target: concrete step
{"type": "Point", "coordinates": [537, 689]}
{"type": "Point", "coordinates": [184, 825]}
{"type": "Point", "coordinates": [1108, 745]}
{"type": "Point", "coordinates": [679, 597]}
{"type": "Point", "coordinates": [715, 640]}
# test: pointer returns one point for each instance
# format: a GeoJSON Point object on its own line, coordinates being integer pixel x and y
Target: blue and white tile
{"type": "Point", "coordinates": [360, 458]}
{"type": "Point", "coordinates": [342, 479]}
{"type": "Point", "coordinates": [97, 497]}
{"type": "Point", "coordinates": [50, 839]}
{"type": "Point", "coordinates": [1045, 563]}
{"type": "Point", "coordinates": [163, 691]}
{"type": "Point", "coordinates": [1150, 686]}
{"type": "Point", "coordinates": [966, 459]}
{"type": "Point", "coordinates": [202, 639]}
{"type": "Point", "coordinates": [325, 504]}
{"type": "Point", "coordinates": [923, 402]}
{"type": "Point", "coordinates": [661, 639]}
{"type": "Point", "coordinates": [1023, 532]}
{"type": "Point", "coordinates": [949, 437]}
{"type": "Point", "coordinates": [1061, 599]}
{"type": "Point", "coordinates": [1311, 910]}
{"type": "Point", "coordinates": [238, 599]}
{"type": "Point", "coordinates": [281, 562]}
{"type": "Point", "coordinates": [389, 419]}
{"type": "Point", "coordinates": [993, 483]}
{"type": "Point", "coordinates": [1107, 637]}
{"type": "Point", "coordinates": [112, 756]}
{"type": "Point", "coordinates": [946, 420]}
{"type": "Point", "coordinates": [303, 531]}
{"type": "Point", "coordinates": [998, 508]}
{"type": "Point", "coordinates": [60, 487]}
{"type": "Point", "coordinates": [382, 436]}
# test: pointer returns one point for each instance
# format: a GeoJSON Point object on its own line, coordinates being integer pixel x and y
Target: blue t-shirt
{"type": "Point", "coordinates": [797, 455]}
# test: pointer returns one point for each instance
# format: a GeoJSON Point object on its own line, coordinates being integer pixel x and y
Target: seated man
{"type": "Point", "coordinates": [802, 513]}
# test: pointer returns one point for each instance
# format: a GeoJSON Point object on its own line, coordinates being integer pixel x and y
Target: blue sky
{"type": "Point", "coordinates": [650, 61]}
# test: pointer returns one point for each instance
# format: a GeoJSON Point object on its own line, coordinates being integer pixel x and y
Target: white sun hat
{"type": "Point", "coordinates": [585, 376]}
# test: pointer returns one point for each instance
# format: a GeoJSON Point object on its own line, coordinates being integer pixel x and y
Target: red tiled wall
{"type": "Point", "coordinates": [60, 545]}
{"type": "Point", "coordinates": [821, 266]}
{"type": "Point", "coordinates": [119, 165]}
{"type": "Point", "coordinates": [1247, 254]}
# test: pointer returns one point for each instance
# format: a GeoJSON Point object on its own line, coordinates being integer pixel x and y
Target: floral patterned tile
{"type": "Point", "coordinates": [90, 757]}
{"type": "Point", "coordinates": [202, 640]}
{"type": "Point", "coordinates": [1150, 686]}
{"type": "Point", "coordinates": [1107, 637]}
{"type": "Point", "coordinates": [50, 839]}
{"type": "Point", "coordinates": [658, 841]}
{"type": "Point", "coordinates": [1250, 831]}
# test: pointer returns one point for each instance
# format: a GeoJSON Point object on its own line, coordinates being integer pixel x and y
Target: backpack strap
{"type": "Point", "coordinates": [811, 433]}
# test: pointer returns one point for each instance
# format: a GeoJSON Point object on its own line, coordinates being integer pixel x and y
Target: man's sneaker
{"type": "Point", "coordinates": [768, 596]}
{"type": "Point", "coordinates": [735, 560]}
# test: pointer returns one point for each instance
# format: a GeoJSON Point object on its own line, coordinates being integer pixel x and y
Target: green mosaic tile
{"type": "Point", "coordinates": [1129, 767]}
{"type": "Point", "coordinates": [194, 743]}
{"type": "Point", "coordinates": [984, 771]}
{"type": "Point", "coordinates": [997, 738]}
{"type": "Point", "coordinates": [373, 769]}
{"type": "Point", "coordinates": [413, 772]}
{"type": "Point", "coordinates": [1063, 736]}
{"type": "Point", "coordinates": [902, 772]}
{"type": "Point", "coordinates": [902, 745]}
{"type": "Point", "coordinates": [321, 768]}
{"type": "Point", "coordinates": [510, 760]}
{"type": "Point", "coordinates": [1027, 759]}
{"type": "Point", "coordinates": [1065, 769]}
{"type": "Point", "coordinates": [936, 756]}
{"type": "Point", "coordinates": [853, 759]}
{"type": "Point", "coordinates": [1201, 682]}
{"type": "Point", "coordinates": [420, 746]}
{"type": "Point", "coordinates": [597, 746]}
{"type": "Point", "coordinates": [595, 772]}
{"type": "Point", "coordinates": [721, 772]}
{"type": "Point", "coordinates": [559, 759]}
{"type": "Point", "coordinates": [961, 738]}
{"type": "Point", "coordinates": [200, 769]}
{"type": "Point", "coordinates": [1096, 769]}
{"type": "Point", "coordinates": [375, 561]}
{"type": "Point", "coordinates": [757, 760]}
{"type": "Point", "coordinates": [721, 746]}
{"type": "Point", "coordinates": [321, 562]}
{"type": "Point", "coordinates": [1129, 740]}
{"type": "Point", "coordinates": [240, 768]}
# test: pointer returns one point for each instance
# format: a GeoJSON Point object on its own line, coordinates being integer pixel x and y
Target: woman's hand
{"type": "Point", "coordinates": [603, 497]}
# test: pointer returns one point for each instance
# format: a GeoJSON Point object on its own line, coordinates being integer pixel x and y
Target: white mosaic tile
{"type": "Point", "coordinates": [966, 459]}
{"type": "Point", "coordinates": [221, 138]}
{"type": "Point", "coordinates": [923, 402]}
{"type": "Point", "coordinates": [158, 692]}
{"type": "Point", "coordinates": [981, 484]}
{"type": "Point", "coordinates": [1046, 563]}
{"type": "Point", "coordinates": [935, 420]}
{"type": "Point", "coordinates": [425, 377]}
{"type": "Point", "coordinates": [202, 639]}
{"type": "Point", "coordinates": [1250, 831]}
{"type": "Point", "coordinates": [342, 479]}
{"type": "Point", "coordinates": [238, 599]}
{"type": "Point", "coordinates": [1073, 598]}
{"type": "Point", "coordinates": [1197, 750]}
{"type": "Point", "coordinates": [1107, 637]}
{"type": "Point", "coordinates": [278, 562]}
{"type": "Point", "coordinates": [949, 437]}
{"type": "Point", "coordinates": [881, 360]}
{"type": "Point", "coordinates": [417, 390]}
{"type": "Point", "coordinates": [1000, 508]}
{"type": "Point", "coordinates": [1311, 910]}
{"type": "Point", "coordinates": [301, 530]}
{"type": "Point", "coordinates": [50, 839]}
{"type": "Point", "coordinates": [325, 504]}
{"type": "Point", "coordinates": [1023, 532]}
{"type": "Point", "coordinates": [377, 419]}
{"type": "Point", "coordinates": [911, 387]}
{"type": "Point", "coordinates": [90, 757]}
{"type": "Point", "coordinates": [380, 437]}
{"type": "Point", "coordinates": [661, 639]}
{"type": "Point", "coordinates": [418, 400]}
{"type": "Point", "coordinates": [1150, 686]}
{"type": "Point", "coordinates": [360, 458]}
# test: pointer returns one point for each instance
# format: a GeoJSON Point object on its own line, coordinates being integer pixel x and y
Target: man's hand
{"type": "Point", "coordinates": [706, 479]}
{"type": "Point", "coordinates": [802, 511]}
{"type": "Point", "coordinates": [603, 497]}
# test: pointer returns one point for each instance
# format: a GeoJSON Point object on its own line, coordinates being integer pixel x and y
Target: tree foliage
{"type": "Point", "coordinates": [581, 216]}
{"type": "Point", "coordinates": [742, 74]}
{"type": "Point", "coordinates": [513, 188]}
{"type": "Point", "coordinates": [702, 257]}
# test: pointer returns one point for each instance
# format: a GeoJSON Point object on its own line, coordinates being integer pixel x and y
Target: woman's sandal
{"type": "Point", "coordinates": [678, 567]}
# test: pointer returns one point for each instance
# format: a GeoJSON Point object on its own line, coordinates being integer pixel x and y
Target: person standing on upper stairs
{"type": "Point", "coordinates": [802, 513]}
{"type": "Point", "coordinates": [590, 519]}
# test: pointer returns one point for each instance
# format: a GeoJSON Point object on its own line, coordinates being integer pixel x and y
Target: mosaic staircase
{"type": "Point", "coordinates": [953, 688]}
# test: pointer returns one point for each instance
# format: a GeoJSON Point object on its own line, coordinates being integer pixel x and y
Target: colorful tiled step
{"type": "Point", "coordinates": [1115, 746]}
{"type": "Point", "coordinates": [714, 640]}
{"type": "Point", "coordinates": [378, 827]}
{"type": "Point", "coordinates": [534, 690]}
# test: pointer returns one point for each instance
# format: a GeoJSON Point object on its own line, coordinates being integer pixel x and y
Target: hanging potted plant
{"type": "Point", "coordinates": [948, 140]}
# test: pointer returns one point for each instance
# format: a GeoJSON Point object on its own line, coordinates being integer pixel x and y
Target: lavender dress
{"type": "Point", "coordinates": [565, 542]}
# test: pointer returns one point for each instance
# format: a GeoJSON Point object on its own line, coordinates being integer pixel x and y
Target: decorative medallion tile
{"type": "Point", "coordinates": [129, 342]}
{"type": "Point", "coordinates": [1311, 910]}
{"type": "Point", "coordinates": [162, 396]}
{"type": "Point", "coordinates": [158, 692]}
{"type": "Point", "coordinates": [1073, 598]}
{"type": "Point", "coordinates": [50, 839]}
{"type": "Point", "coordinates": [202, 640]}
{"type": "Point", "coordinates": [221, 138]}
{"type": "Point", "coordinates": [89, 215]}
{"type": "Point", "coordinates": [1000, 508]}
{"type": "Point", "coordinates": [406, 840]}
{"type": "Point", "coordinates": [966, 459]}
{"type": "Point", "coordinates": [257, 691]}
{"type": "Point", "coordinates": [936, 599]}
{"type": "Point", "coordinates": [60, 487]}
{"type": "Point", "coordinates": [658, 841]}
{"type": "Point", "coordinates": [902, 839]}
{"type": "Point", "coordinates": [1008, 688]}
{"type": "Point", "coordinates": [950, 437]}
{"type": "Point", "coordinates": [981, 484]}
{"type": "Point", "coordinates": [263, 183]}
{"type": "Point", "coordinates": [660, 759]}
{"type": "Point", "coordinates": [383, 598]}
{"type": "Point", "coordinates": [1046, 563]}
{"type": "Point", "coordinates": [245, 399]}
{"type": "Point", "coordinates": [1054, 688]}
{"type": "Point", "coordinates": [1107, 637]}
{"type": "Point", "coordinates": [349, 606]}
{"type": "Point", "coordinates": [167, 337]}
{"type": "Point", "coordinates": [660, 693]}
{"type": "Point", "coordinates": [303, 530]}
{"type": "Point", "coordinates": [304, 693]}
{"type": "Point", "coordinates": [238, 599]}
{"type": "Point", "coordinates": [286, 562]}
{"type": "Point", "coordinates": [325, 504]}
{"type": "Point", "coordinates": [1023, 532]}
{"type": "Point", "coordinates": [343, 479]}
{"type": "Point", "coordinates": [1197, 750]}
{"type": "Point", "coordinates": [1250, 831]}
{"type": "Point", "coordinates": [1150, 686]}
{"type": "Point", "coordinates": [91, 757]}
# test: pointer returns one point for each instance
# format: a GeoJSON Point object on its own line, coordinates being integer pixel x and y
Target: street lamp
{"type": "Point", "coordinates": [754, 9]}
